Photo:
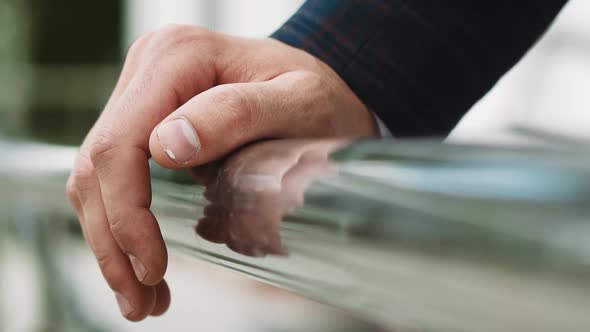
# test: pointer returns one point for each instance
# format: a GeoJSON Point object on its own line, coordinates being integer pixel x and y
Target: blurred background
{"type": "Point", "coordinates": [60, 59]}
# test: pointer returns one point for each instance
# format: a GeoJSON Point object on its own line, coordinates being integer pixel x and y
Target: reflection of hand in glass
{"type": "Point", "coordinates": [255, 188]}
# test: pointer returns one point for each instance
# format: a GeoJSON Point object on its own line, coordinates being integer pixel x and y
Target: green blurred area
{"type": "Point", "coordinates": [59, 60]}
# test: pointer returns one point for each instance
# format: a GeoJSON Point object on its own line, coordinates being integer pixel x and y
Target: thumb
{"type": "Point", "coordinates": [225, 117]}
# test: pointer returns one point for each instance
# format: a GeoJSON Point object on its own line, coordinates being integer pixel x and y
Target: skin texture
{"type": "Point", "coordinates": [230, 91]}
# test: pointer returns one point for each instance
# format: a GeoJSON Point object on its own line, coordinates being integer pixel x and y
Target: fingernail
{"type": "Point", "coordinates": [124, 305]}
{"type": "Point", "coordinates": [138, 267]}
{"type": "Point", "coordinates": [179, 140]}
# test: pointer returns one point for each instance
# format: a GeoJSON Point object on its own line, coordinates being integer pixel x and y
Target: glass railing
{"type": "Point", "coordinates": [416, 235]}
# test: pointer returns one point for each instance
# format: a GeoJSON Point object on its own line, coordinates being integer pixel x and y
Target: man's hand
{"type": "Point", "coordinates": [187, 96]}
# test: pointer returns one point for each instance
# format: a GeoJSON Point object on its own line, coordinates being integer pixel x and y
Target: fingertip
{"type": "Point", "coordinates": [135, 307]}
{"type": "Point", "coordinates": [162, 299]}
{"type": "Point", "coordinates": [175, 143]}
{"type": "Point", "coordinates": [154, 274]}
{"type": "Point", "coordinates": [158, 154]}
{"type": "Point", "coordinates": [141, 240]}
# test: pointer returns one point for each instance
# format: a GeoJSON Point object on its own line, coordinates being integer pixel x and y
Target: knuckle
{"type": "Point", "coordinates": [319, 104]}
{"type": "Point", "coordinates": [312, 80]}
{"type": "Point", "coordinates": [115, 275]}
{"type": "Point", "coordinates": [169, 37]}
{"type": "Point", "coordinates": [167, 40]}
{"type": "Point", "coordinates": [99, 148]}
{"type": "Point", "coordinates": [82, 172]}
{"type": "Point", "coordinates": [157, 43]}
{"type": "Point", "coordinates": [136, 48]}
{"type": "Point", "coordinates": [317, 89]}
{"type": "Point", "coordinates": [172, 30]}
{"type": "Point", "coordinates": [174, 37]}
{"type": "Point", "coordinates": [114, 222]}
{"type": "Point", "coordinates": [71, 191]}
{"type": "Point", "coordinates": [122, 225]}
{"type": "Point", "coordinates": [178, 31]}
{"type": "Point", "coordinates": [103, 258]}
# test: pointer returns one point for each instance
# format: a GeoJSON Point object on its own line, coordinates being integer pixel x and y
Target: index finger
{"type": "Point", "coordinates": [126, 192]}
{"type": "Point", "coordinates": [118, 148]}
{"type": "Point", "coordinates": [163, 78]}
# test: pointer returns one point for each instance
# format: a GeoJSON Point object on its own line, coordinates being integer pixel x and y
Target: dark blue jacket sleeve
{"type": "Point", "coordinates": [419, 64]}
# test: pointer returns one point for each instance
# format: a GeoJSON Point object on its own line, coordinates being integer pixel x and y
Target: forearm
{"type": "Point", "coordinates": [419, 64]}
